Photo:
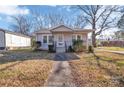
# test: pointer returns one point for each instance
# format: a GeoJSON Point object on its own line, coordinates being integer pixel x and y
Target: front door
{"type": "Point", "coordinates": [60, 40]}
{"type": "Point", "coordinates": [45, 42]}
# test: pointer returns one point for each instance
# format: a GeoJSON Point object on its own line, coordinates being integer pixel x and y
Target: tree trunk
{"type": "Point", "coordinates": [93, 33]}
{"type": "Point", "coordinates": [93, 39]}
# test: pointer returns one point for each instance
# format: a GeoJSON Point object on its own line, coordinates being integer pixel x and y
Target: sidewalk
{"type": "Point", "coordinates": [60, 76]}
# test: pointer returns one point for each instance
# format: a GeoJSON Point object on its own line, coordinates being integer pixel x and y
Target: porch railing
{"type": "Point", "coordinates": [66, 48]}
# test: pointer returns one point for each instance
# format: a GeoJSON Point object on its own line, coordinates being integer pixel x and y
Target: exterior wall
{"type": "Point", "coordinates": [84, 38]}
{"type": "Point", "coordinates": [2, 39]}
{"type": "Point", "coordinates": [39, 37]}
{"type": "Point", "coordinates": [67, 38]}
{"type": "Point", "coordinates": [17, 41]}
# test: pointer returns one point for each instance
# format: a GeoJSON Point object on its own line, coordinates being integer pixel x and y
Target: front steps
{"type": "Point", "coordinates": [60, 49]}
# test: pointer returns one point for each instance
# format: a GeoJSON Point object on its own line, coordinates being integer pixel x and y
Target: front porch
{"type": "Point", "coordinates": [62, 42]}
{"type": "Point", "coordinates": [69, 46]}
{"type": "Point", "coordinates": [61, 47]}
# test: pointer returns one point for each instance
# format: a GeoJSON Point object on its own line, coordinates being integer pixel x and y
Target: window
{"type": "Point", "coordinates": [50, 39]}
{"type": "Point", "coordinates": [78, 37]}
{"type": "Point", "coordinates": [47, 39]}
{"type": "Point", "coordinates": [60, 38]}
{"type": "Point", "coordinates": [74, 37]}
{"type": "Point", "coordinates": [44, 39]}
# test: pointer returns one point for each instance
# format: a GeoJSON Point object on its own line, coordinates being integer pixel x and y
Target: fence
{"type": "Point", "coordinates": [113, 43]}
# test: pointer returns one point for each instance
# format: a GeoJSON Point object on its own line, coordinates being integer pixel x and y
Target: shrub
{"type": "Point", "coordinates": [78, 45]}
{"type": "Point", "coordinates": [70, 49]}
{"type": "Point", "coordinates": [32, 42]}
{"type": "Point", "coordinates": [36, 45]}
{"type": "Point", "coordinates": [90, 49]}
{"type": "Point", "coordinates": [51, 48]}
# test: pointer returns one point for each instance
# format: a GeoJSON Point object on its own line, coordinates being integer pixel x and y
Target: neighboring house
{"type": "Point", "coordinates": [119, 35]}
{"type": "Point", "coordinates": [9, 40]}
{"type": "Point", "coordinates": [61, 36]}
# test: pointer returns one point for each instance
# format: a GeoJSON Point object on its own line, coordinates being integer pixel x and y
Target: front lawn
{"type": "Point", "coordinates": [102, 69]}
{"type": "Point", "coordinates": [25, 68]}
{"type": "Point", "coordinates": [113, 48]}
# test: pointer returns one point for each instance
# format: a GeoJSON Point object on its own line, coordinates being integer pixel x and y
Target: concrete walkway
{"type": "Point", "coordinates": [61, 73]}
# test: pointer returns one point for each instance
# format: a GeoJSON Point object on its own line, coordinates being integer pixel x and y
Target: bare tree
{"type": "Point", "coordinates": [55, 19]}
{"type": "Point", "coordinates": [42, 21]}
{"type": "Point", "coordinates": [39, 20]}
{"type": "Point", "coordinates": [99, 18]}
{"type": "Point", "coordinates": [79, 22]}
{"type": "Point", "coordinates": [120, 23]}
{"type": "Point", "coordinates": [21, 24]}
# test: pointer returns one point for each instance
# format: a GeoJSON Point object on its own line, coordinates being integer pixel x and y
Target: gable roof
{"type": "Point", "coordinates": [61, 28]}
{"type": "Point", "coordinates": [83, 30]}
{"type": "Point", "coordinates": [43, 31]}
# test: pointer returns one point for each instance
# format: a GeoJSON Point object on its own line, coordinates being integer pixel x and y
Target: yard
{"type": "Point", "coordinates": [102, 69]}
{"type": "Point", "coordinates": [25, 68]}
{"type": "Point", "coordinates": [113, 48]}
{"type": "Point", "coordinates": [30, 69]}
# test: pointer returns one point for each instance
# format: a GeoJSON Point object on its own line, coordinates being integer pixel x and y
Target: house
{"type": "Point", "coordinates": [61, 36]}
{"type": "Point", "coordinates": [9, 40]}
{"type": "Point", "coordinates": [119, 35]}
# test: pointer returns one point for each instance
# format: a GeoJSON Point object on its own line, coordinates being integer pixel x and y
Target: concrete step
{"type": "Point", "coordinates": [60, 49]}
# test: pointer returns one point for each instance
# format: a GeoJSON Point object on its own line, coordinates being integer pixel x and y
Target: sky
{"type": "Point", "coordinates": [7, 11]}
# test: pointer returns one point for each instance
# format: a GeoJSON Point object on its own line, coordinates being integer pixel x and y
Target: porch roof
{"type": "Point", "coordinates": [43, 31]}
{"type": "Point", "coordinates": [63, 28]}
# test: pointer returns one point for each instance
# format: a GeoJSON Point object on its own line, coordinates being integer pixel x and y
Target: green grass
{"type": "Point", "coordinates": [113, 48]}
{"type": "Point", "coordinates": [120, 63]}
